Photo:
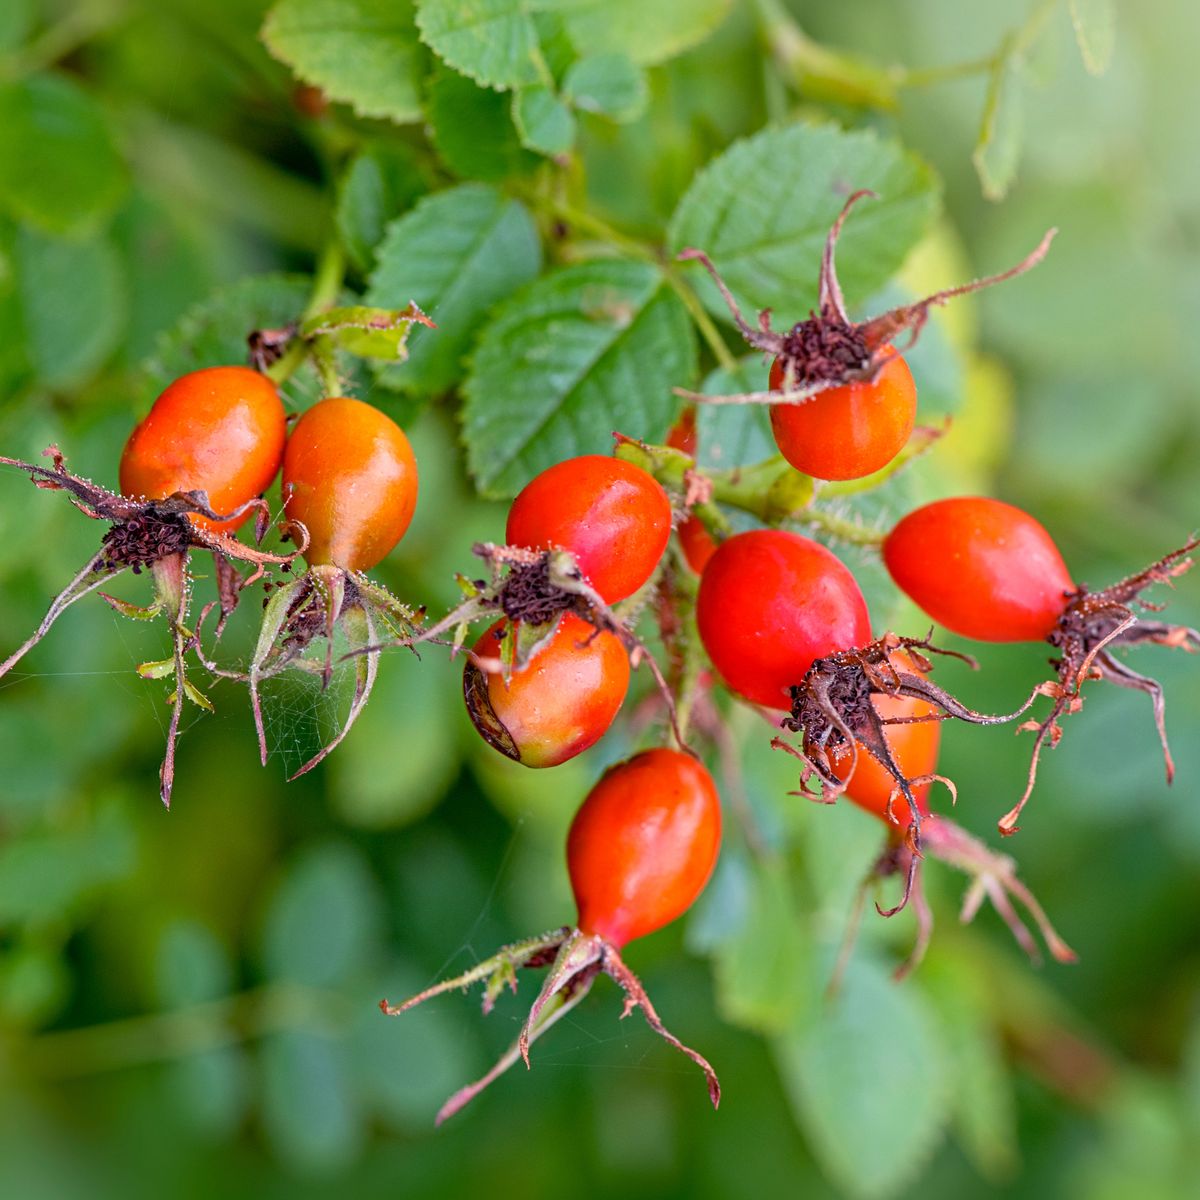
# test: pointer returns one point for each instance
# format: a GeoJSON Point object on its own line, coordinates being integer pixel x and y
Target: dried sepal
{"type": "Point", "coordinates": [1092, 626]}
{"type": "Point", "coordinates": [575, 960]}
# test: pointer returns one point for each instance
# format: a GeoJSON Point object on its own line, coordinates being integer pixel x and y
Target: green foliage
{"type": "Point", "coordinates": [866, 1075]}
{"type": "Point", "coordinates": [362, 52]}
{"type": "Point", "coordinates": [59, 164]}
{"type": "Point", "coordinates": [582, 352]}
{"type": "Point", "coordinates": [194, 995]}
{"type": "Point", "coordinates": [455, 255]}
{"type": "Point", "coordinates": [761, 211]}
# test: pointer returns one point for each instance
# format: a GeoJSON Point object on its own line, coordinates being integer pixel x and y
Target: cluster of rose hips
{"type": "Point", "coordinates": [776, 616]}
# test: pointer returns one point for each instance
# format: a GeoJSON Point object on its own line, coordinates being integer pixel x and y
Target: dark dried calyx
{"type": "Point", "coordinates": [145, 538]}
{"type": "Point", "coordinates": [823, 349]}
{"type": "Point", "coordinates": [529, 595]}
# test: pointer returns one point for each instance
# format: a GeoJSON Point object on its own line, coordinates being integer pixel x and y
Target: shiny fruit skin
{"type": "Point", "coordinates": [612, 516]}
{"type": "Point", "coordinates": [770, 602]}
{"type": "Point", "coordinates": [219, 430]}
{"type": "Point", "coordinates": [849, 431]}
{"type": "Point", "coordinates": [643, 844]}
{"type": "Point", "coordinates": [981, 568]}
{"type": "Point", "coordinates": [560, 704]}
{"type": "Point", "coordinates": [915, 749]}
{"type": "Point", "coordinates": [350, 477]}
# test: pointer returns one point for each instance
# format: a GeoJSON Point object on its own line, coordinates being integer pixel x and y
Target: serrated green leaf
{"type": "Point", "coordinates": [364, 53]}
{"type": "Point", "coordinates": [611, 85]}
{"type": "Point", "coordinates": [59, 165]}
{"type": "Point", "coordinates": [323, 924]}
{"type": "Point", "coordinates": [867, 1081]}
{"type": "Point", "coordinates": [310, 1111]}
{"type": "Point", "coordinates": [73, 304]}
{"type": "Point", "coordinates": [382, 182]}
{"type": "Point", "coordinates": [762, 210]}
{"type": "Point", "coordinates": [1095, 23]}
{"type": "Point", "coordinates": [998, 148]}
{"type": "Point", "coordinates": [731, 435]}
{"type": "Point", "coordinates": [582, 352]}
{"type": "Point", "coordinates": [365, 331]}
{"type": "Point", "coordinates": [544, 123]}
{"type": "Point", "coordinates": [495, 42]}
{"type": "Point", "coordinates": [646, 33]}
{"type": "Point", "coordinates": [456, 254]}
{"type": "Point", "coordinates": [471, 129]}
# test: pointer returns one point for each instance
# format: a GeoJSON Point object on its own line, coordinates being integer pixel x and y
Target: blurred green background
{"type": "Point", "coordinates": [187, 999]}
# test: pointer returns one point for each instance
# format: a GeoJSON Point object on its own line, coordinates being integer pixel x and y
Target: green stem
{"type": "Point", "coordinates": [327, 284]}
{"type": "Point", "coordinates": [820, 71]}
{"type": "Point", "coordinates": [162, 1037]}
{"type": "Point", "coordinates": [704, 323]}
{"type": "Point", "coordinates": [645, 252]}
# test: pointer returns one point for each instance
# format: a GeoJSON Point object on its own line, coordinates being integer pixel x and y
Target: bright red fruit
{"type": "Point", "coordinates": [848, 431]}
{"type": "Point", "coordinates": [770, 602]}
{"type": "Point", "coordinates": [611, 515]}
{"type": "Point", "coordinates": [643, 844]}
{"type": "Point", "coordinates": [350, 477]}
{"type": "Point", "coordinates": [220, 430]}
{"type": "Point", "coordinates": [562, 702]}
{"type": "Point", "coordinates": [981, 568]}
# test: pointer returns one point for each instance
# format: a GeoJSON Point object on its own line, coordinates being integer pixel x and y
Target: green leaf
{"type": "Point", "coordinates": [415, 702]}
{"type": "Point", "coordinates": [17, 18]}
{"type": "Point", "coordinates": [983, 1103]}
{"type": "Point", "coordinates": [59, 165]}
{"type": "Point", "coordinates": [364, 53]}
{"type": "Point", "coordinates": [582, 352]}
{"type": "Point", "coordinates": [867, 1081]}
{"type": "Point", "coordinates": [763, 208]}
{"type": "Point", "coordinates": [732, 435]}
{"type": "Point", "coordinates": [323, 924]}
{"type": "Point", "coordinates": [544, 123]}
{"type": "Point", "coordinates": [495, 42]}
{"type": "Point", "coordinates": [1095, 23]}
{"type": "Point", "coordinates": [647, 33]}
{"type": "Point", "coordinates": [608, 84]}
{"type": "Point", "coordinates": [456, 254]}
{"type": "Point", "coordinates": [192, 965]}
{"type": "Point", "coordinates": [309, 1107]}
{"type": "Point", "coordinates": [382, 182]}
{"type": "Point", "coordinates": [364, 331]}
{"type": "Point", "coordinates": [73, 304]}
{"type": "Point", "coordinates": [472, 130]}
{"type": "Point", "coordinates": [998, 148]}
{"type": "Point", "coordinates": [406, 1066]}
{"type": "Point", "coordinates": [764, 972]}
